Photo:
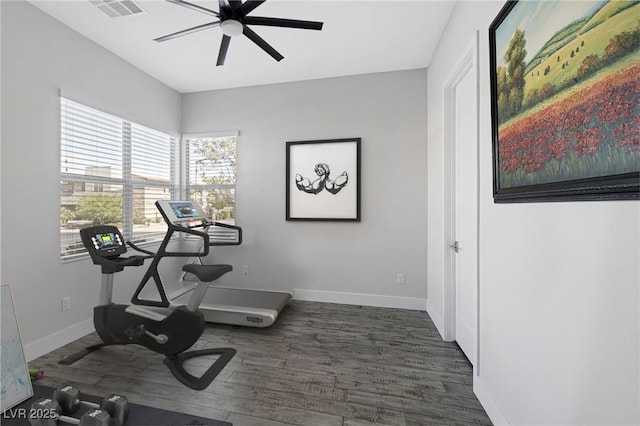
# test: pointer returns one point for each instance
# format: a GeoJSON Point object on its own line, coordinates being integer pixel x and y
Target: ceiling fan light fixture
{"type": "Point", "coordinates": [231, 27]}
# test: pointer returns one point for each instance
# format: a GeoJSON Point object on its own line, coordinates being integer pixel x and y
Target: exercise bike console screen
{"type": "Point", "coordinates": [106, 241]}
{"type": "Point", "coordinates": [181, 211]}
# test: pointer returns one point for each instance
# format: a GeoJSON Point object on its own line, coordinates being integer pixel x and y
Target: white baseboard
{"type": "Point", "coordinates": [489, 402]}
{"type": "Point", "coordinates": [413, 303]}
{"type": "Point", "coordinates": [436, 317]}
{"type": "Point", "coordinates": [50, 343]}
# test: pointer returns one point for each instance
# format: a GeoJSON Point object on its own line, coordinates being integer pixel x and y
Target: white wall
{"type": "Point", "coordinates": [327, 261]}
{"type": "Point", "coordinates": [0, 146]}
{"type": "Point", "coordinates": [39, 57]}
{"type": "Point", "coordinates": [559, 282]}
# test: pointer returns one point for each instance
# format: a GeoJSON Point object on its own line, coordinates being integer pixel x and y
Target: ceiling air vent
{"type": "Point", "coordinates": [116, 8]}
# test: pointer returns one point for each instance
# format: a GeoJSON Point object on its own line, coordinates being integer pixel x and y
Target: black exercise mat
{"type": "Point", "coordinates": [138, 414]}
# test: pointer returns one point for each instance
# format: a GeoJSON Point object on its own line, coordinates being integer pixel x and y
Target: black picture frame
{"type": "Point", "coordinates": [323, 180]}
{"type": "Point", "coordinates": [541, 150]}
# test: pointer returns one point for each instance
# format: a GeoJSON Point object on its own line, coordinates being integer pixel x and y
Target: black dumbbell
{"type": "Point", "coordinates": [69, 399]}
{"type": "Point", "coordinates": [46, 412]}
{"type": "Point", "coordinates": [96, 418]}
{"type": "Point", "coordinates": [117, 406]}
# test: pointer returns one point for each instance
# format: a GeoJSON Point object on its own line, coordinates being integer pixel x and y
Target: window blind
{"type": "Point", "coordinates": [91, 142]}
{"type": "Point", "coordinates": [112, 172]}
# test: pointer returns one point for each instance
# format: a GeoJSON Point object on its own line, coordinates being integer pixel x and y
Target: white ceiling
{"type": "Point", "coordinates": [358, 37]}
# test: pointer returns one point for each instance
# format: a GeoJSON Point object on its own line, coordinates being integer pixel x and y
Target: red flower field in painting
{"type": "Point", "coordinates": [593, 132]}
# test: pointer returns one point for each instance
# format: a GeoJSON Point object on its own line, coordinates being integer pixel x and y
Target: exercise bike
{"type": "Point", "coordinates": [168, 330]}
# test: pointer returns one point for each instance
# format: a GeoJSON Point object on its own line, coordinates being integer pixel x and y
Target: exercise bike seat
{"type": "Point", "coordinates": [207, 273]}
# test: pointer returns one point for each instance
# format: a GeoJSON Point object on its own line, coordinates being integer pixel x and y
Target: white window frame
{"type": "Point", "coordinates": [128, 181]}
{"type": "Point", "coordinates": [185, 163]}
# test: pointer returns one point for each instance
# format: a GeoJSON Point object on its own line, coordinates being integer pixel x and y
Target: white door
{"type": "Point", "coordinates": [465, 245]}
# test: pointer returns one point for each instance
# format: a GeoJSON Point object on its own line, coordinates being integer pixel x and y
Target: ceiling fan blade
{"type": "Point", "coordinates": [263, 44]}
{"type": "Point", "coordinates": [195, 7]}
{"type": "Point", "coordinates": [287, 23]}
{"type": "Point", "coordinates": [228, 7]}
{"type": "Point", "coordinates": [224, 46]}
{"type": "Point", "coordinates": [188, 31]}
{"type": "Point", "coordinates": [249, 5]}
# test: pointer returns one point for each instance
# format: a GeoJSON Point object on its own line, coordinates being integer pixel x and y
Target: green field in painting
{"type": "Point", "coordinates": [590, 37]}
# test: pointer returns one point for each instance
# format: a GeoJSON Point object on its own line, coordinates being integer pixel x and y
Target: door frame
{"type": "Point", "coordinates": [467, 63]}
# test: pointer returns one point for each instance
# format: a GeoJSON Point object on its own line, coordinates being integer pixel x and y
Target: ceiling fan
{"type": "Point", "coordinates": [233, 21]}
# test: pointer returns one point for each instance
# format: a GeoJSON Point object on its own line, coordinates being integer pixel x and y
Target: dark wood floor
{"type": "Point", "coordinates": [320, 364]}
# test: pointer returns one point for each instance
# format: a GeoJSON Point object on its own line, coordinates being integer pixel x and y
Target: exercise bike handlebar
{"type": "Point", "coordinates": [136, 248]}
{"type": "Point", "coordinates": [135, 260]}
{"type": "Point", "coordinates": [106, 246]}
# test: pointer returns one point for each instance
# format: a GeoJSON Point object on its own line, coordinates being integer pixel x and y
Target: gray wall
{"type": "Point", "coordinates": [39, 57]}
{"type": "Point", "coordinates": [348, 262]}
{"type": "Point", "coordinates": [559, 282]}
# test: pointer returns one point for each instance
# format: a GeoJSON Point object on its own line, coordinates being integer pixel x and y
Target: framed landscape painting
{"type": "Point", "coordinates": [565, 101]}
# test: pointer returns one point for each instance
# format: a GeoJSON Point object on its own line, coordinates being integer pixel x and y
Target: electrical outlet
{"type": "Point", "coordinates": [400, 278]}
{"type": "Point", "coordinates": [66, 304]}
{"type": "Point", "coordinates": [245, 269]}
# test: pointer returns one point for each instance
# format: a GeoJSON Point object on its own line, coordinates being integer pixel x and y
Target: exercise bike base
{"type": "Point", "coordinates": [70, 359]}
{"type": "Point", "coordinates": [175, 363]}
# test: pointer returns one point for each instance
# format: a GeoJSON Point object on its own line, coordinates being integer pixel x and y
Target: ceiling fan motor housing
{"type": "Point", "coordinates": [231, 27]}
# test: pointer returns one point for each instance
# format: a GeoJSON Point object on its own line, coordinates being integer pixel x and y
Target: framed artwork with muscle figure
{"type": "Point", "coordinates": [323, 180]}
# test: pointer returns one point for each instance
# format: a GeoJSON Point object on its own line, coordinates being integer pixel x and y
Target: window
{"type": "Point", "coordinates": [112, 171]}
{"type": "Point", "coordinates": [211, 180]}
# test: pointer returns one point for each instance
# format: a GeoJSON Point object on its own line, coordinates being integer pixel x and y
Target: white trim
{"type": "Point", "coordinates": [449, 305]}
{"type": "Point", "coordinates": [436, 317]}
{"type": "Point", "coordinates": [378, 300]}
{"type": "Point", "coordinates": [467, 63]}
{"type": "Point", "coordinates": [489, 402]}
{"type": "Point", "coordinates": [216, 134]}
{"type": "Point", "coordinates": [52, 342]}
